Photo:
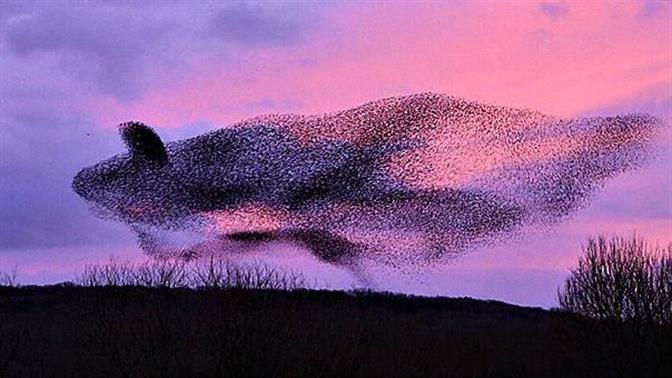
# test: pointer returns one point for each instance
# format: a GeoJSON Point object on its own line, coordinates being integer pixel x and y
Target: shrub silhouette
{"type": "Point", "coordinates": [9, 278]}
{"type": "Point", "coordinates": [222, 274]}
{"type": "Point", "coordinates": [115, 273]}
{"type": "Point", "coordinates": [175, 273]}
{"type": "Point", "coordinates": [623, 280]}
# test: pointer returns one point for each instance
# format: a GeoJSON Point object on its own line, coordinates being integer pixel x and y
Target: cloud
{"type": "Point", "coordinates": [96, 42]}
{"type": "Point", "coordinates": [596, 55]}
{"type": "Point", "coordinates": [653, 8]}
{"type": "Point", "coordinates": [253, 25]}
{"type": "Point", "coordinates": [554, 10]}
{"type": "Point", "coordinates": [122, 50]}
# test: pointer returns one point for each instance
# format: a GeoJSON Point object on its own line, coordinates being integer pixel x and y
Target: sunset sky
{"type": "Point", "coordinates": [70, 72]}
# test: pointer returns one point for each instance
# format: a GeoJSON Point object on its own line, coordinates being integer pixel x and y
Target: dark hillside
{"type": "Point", "coordinates": [66, 331]}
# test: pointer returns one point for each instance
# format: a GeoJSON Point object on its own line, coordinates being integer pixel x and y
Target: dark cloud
{"type": "Point", "coordinates": [249, 24]}
{"type": "Point", "coordinates": [121, 49]}
{"type": "Point", "coordinates": [653, 8]}
{"type": "Point", "coordinates": [554, 10]}
{"type": "Point", "coordinates": [106, 45]}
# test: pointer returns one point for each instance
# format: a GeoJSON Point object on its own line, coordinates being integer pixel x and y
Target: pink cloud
{"type": "Point", "coordinates": [503, 53]}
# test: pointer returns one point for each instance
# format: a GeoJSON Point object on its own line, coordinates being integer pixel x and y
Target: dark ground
{"type": "Point", "coordinates": [142, 332]}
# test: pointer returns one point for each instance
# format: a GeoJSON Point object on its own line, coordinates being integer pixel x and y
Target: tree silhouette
{"type": "Point", "coordinates": [624, 280]}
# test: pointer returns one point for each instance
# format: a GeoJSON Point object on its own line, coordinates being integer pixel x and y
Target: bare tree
{"type": "Point", "coordinates": [169, 273]}
{"type": "Point", "coordinates": [222, 274]}
{"type": "Point", "coordinates": [115, 273]}
{"type": "Point", "coordinates": [172, 273]}
{"type": "Point", "coordinates": [621, 280]}
{"type": "Point", "coordinates": [9, 278]}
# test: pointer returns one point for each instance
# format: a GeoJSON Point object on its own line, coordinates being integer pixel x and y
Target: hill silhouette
{"type": "Point", "coordinates": [69, 330]}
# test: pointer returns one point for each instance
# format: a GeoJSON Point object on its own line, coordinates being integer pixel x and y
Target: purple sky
{"type": "Point", "coordinates": [71, 71]}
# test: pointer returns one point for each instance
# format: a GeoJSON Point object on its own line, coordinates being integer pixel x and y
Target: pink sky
{"type": "Point", "coordinates": [585, 56]}
{"type": "Point", "coordinates": [565, 59]}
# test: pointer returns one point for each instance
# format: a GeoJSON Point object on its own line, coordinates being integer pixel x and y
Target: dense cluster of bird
{"type": "Point", "coordinates": [403, 181]}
